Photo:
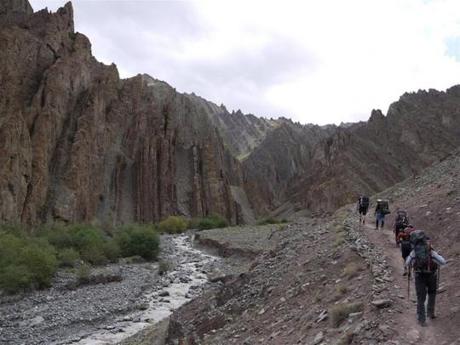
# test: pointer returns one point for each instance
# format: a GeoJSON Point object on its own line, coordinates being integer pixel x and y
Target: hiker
{"type": "Point", "coordinates": [401, 222]}
{"type": "Point", "coordinates": [425, 263]}
{"type": "Point", "coordinates": [381, 210]}
{"type": "Point", "coordinates": [363, 205]}
{"type": "Point", "coordinates": [406, 247]}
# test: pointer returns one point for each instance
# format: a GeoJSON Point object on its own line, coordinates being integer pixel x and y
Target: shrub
{"type": "Point", "coordinates": [83, 274]}
{"type": "Point", "coordinates": [15, 278]}
{"type": "Point", "coordinates": [163, 267]}
{"type": "Point", "coordinates": [111, 250]}
{"type": "Point", "coordinates": [340, 312]}
{"type": "Point", "coordinates": [68, 257]}
{"type": "Point", "coordinates": [25, 262]}
{"type": "Point", "coordinates": [138, 240]}
{"type": "Point", "coordinates": [211, 222]}
{"type": "Point", "coordinates": [173, 225]}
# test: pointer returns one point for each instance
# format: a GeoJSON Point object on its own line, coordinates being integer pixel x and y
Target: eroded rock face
{"type": "Point", "coordinates": [323, 168]}
{"type": "Point", "coordinates": [79, 144]}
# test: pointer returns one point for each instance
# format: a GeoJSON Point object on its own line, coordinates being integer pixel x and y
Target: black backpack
{"type": "Point", "coordinates": [422, 250]}
{"type": "Point", "coordinates": [364, 201]}
{"type": "Point", "coordinates": [383, 206]}
{"type": "Point", "coordinates": [402, 220]}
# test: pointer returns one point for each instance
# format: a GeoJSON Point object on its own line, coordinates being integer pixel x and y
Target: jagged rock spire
{"type": "Point", "coordinates": [15, 6]}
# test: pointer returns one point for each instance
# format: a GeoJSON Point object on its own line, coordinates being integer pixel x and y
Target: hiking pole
{"type": "Point", "coordinates": [408, 283]}
{"type": "Point", "coordinates": [438, 278]}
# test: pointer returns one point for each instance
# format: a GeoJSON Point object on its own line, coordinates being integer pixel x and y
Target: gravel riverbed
{"type": "Point", "coordinates": [107, 313]}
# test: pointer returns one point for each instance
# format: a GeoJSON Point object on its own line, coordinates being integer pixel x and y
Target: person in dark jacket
{"type": "Point", "coordinates": [362, 206]}
{"type": "Point", "coordinates": [425, 277]}
{"type": "Point", "coordinates": [381, 210]}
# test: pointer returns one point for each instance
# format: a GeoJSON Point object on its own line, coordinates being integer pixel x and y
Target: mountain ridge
{"type": "Point", "coordinates": [79, 144]}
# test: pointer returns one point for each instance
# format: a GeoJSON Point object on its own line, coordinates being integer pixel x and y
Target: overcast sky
{"type": "Point", "coordinates": [322, 61]}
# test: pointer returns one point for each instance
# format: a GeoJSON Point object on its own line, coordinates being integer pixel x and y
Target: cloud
{"type": "Point", "coordinates": [315, 61]}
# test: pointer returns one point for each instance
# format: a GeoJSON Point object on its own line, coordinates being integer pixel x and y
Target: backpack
{"type": "Point", "coordinates": [383, 206]}
{"type": "Point", "coordinates": [364, 201]}
{"type": "Point", "coordinates": [402, 220]}
{"type": "Point", "coordinates": [422, 250]}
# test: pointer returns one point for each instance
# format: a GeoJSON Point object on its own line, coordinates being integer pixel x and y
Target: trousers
{"type": "Point", "coordinates": [425, 284]}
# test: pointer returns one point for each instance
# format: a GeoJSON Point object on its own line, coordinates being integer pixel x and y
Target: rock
{"type": "Point", "coordinates": [381, 303]}
{"type": "Point", "coordinates": [318, 338]}
{"type": "Point", "coordinates": [163, 294]}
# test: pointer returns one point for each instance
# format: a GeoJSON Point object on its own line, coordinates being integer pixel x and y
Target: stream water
{"type": "Point", "coordinates": [186, 277]}
{"type": "Point", "coordinates": [107, 313]}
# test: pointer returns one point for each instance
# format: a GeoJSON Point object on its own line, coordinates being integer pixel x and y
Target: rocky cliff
{"type": "Point", "coordinates": [79, 144]}
{"type": "Point", "coordinates": [322, 168]}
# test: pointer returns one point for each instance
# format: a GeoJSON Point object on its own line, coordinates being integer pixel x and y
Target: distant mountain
{"type": "Point", "coordinates": [77, 143]}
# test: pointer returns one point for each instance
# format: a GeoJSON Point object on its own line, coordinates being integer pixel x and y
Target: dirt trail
{"type": "Point", "coordinates": [405, 322]}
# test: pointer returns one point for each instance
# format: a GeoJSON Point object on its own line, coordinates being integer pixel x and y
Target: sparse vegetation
{"type": "Point", "coordinates": [341, 289]}
{"type": "Point", "coordinates": [210, 222]}
{"type": "Point", "coordinates": [173, 225]}
{"type": "Point", "coordinates": [29, 261]}
{"type": "Point", "coordinates": [351, 270]}
{"type": "Point", "coordinates": [339, 239]}
{"type": "Point", "coordinates": [135, 239]}
{"type": "Point", "coordinates": [164, 267]}
{"type": "Point", "coordinates": [25, 263]}
{"type": "Point", "coordinates": [68, 257]}
{"type": "Point", "coordinates": [271, 220]}
{"type": "Point", "coordinates": [340, 312]}
{"type": "Point", "coordinates": [83, 274]}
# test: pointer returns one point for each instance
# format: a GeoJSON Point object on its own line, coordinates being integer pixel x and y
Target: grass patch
{"type": "Point", "coordinates": [271, 220]}
{"type": "Point", "coordinates": [341, 289]}
{"type": "Point", "coordinates": [351, 270]}
{"type": "Point", "coordinates": [339, 239]}
{"type": "Point", "coordinates": [173, 225]}
{"type": "Point", "coordinates": [340, 312]}
{"type": "Point", "coordinates": [210, 222]}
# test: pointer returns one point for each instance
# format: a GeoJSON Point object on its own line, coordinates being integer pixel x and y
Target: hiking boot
{"type": "Point", "coordinates": [422, 323]}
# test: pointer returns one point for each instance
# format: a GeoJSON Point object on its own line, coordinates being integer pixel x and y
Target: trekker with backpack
{"type": "Point", "coordinates": [401, 222]}
{"type": "Point", "coordinates": [425, 262]}
{"type": "Point", "coordinates": [406, 247]}
{"type": "Point", "coordinates": [363, 205]}
{"type": "Point", "coordinates": [381, 210]}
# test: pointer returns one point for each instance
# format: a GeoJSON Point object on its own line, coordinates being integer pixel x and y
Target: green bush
{"type": "Point", "coordinates": [210, 222]}
{"type": "Point", "coordinates": [140, 240]}
{"type": "Point", "coordinates": [173, 225]}
{"type": "Point", "coordinates": [111, 250]}
{"type": "Point", "coordinates": [25, 262]}
{"type": "Point", "coordinates": [91, 243]}
{"type": "Point", "coordinates": [68, 257]}
{"type": "Point", "coordinates": [83, 274]}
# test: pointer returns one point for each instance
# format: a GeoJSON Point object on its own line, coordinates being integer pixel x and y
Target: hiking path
{"type": "Point", "coordinates": [404, 322]}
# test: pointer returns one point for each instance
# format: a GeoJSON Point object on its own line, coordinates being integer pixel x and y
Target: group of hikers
{"type": "Point", "coordinates": [416, 251]}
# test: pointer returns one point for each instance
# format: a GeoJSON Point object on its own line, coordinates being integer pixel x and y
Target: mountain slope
{"type": "Point", "coordinates": [300, 291]}
{"type": "Point", "coordinates": [80, 144]}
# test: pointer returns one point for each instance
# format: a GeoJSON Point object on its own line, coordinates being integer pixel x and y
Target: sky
{"type": "Point", "coordinates": [321, 61]}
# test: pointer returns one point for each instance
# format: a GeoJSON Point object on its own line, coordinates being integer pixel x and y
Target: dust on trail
{"type": "Point", "coordinates": [406, 322]}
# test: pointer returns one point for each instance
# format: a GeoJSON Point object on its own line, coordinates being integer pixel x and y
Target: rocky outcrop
{"type": "Point", "coordinates": [323, 168]}
{"type": "Point", "coordinates": [79, 144]}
